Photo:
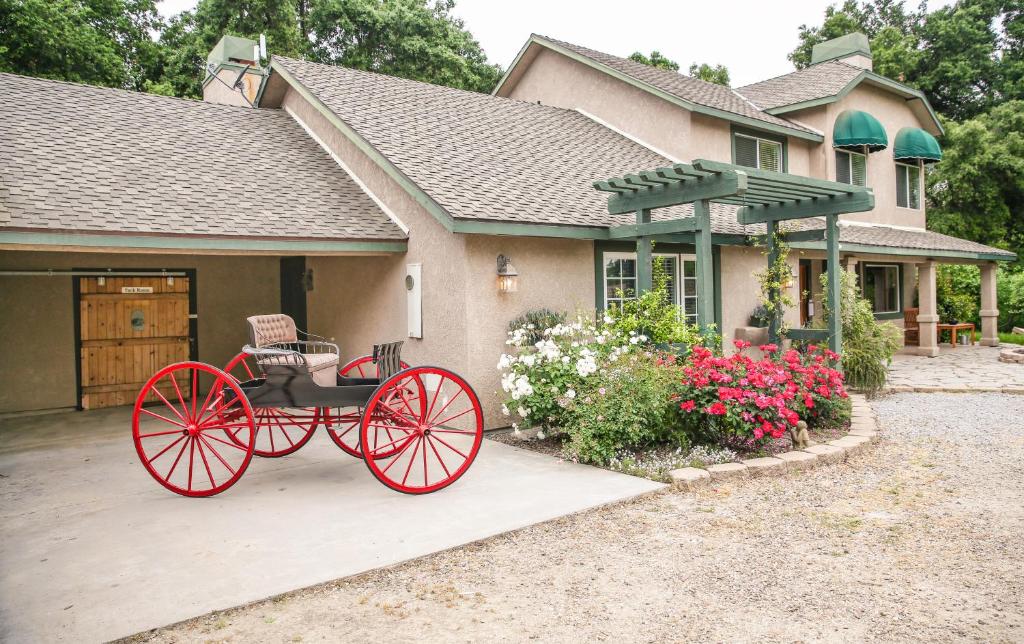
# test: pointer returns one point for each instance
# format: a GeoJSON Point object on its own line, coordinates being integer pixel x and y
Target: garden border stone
{"type": "Point", "coordinates": [863, 431]}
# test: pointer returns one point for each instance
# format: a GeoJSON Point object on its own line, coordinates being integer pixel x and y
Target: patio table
{"type": "Point", "coordinates": [954, 331]}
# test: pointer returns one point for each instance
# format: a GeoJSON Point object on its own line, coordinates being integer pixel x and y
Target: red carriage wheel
{"type": "Point", "coordinates": [279, 431]}
{"type": "Point", "coordinates": [436, 435]}
{"type": "Point", "coordinates": [181, 438]}
{"type": "Point", "coordinates": [342, 423]}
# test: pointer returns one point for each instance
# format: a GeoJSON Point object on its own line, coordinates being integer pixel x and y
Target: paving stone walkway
{"type": "Point", "coordinates": [964, 369]}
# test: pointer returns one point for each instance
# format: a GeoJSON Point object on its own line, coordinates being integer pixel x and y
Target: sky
{"type": "Point", "coordinates": [750, 37]}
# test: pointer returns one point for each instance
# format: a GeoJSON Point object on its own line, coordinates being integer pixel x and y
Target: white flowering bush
{"type": "Point", "coordinates": [541, 379]}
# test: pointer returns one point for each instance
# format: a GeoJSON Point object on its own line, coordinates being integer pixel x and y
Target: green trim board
{"type": "Point", "coordinates": [923, 254]}
{"type": "Point", "coordinates": [647, 87]}
{"type": "Point", "coordinates": [157, 242]}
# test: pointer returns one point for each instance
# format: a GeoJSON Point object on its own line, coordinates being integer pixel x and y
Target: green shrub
{"type": "Point", "coordinates": [958, 291]}
{"type": "Point", "coordinates": [627, 406]}
{"type": "Point", "coordinates": [868, 345]}
{"type": "Point", "coordinates": [534, 322]}
{"type": "Point", "coordinates": [654, 316]}
{"type": "Point", "coordinates": [1010, 295]}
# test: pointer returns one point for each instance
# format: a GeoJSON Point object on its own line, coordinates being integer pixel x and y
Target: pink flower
{"type": "Point", "coordinates": [688, 406]}
{"type": "Point", "coordinates": [717, 409]}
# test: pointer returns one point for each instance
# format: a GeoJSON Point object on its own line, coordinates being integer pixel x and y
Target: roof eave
{"type": "Point", "coordinates": [909, 93]}
{"type": "Point", "coordinates": [671, 98]}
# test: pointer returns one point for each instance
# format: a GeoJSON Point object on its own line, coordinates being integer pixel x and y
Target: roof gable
{"type": "Point", "coordinates": [690, 93]}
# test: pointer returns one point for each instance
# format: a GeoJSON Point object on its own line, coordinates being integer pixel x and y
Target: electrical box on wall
{"type": "Point", "coordinates": [414, 299]}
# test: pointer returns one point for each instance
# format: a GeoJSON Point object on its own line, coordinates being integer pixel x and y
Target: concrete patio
{"type": "Point", "coordinates": [960, 369]}
{"type": "Point", "coordinates": [93, 549]}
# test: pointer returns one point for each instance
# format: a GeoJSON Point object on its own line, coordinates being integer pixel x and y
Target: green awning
{"type": "Point", "coordinates": [915, 143]}
{"type": "Point", "coordinates": [856, 129]}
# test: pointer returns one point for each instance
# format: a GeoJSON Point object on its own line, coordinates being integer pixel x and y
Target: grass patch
{"type": "Point", "coordinates": [1011, 338]}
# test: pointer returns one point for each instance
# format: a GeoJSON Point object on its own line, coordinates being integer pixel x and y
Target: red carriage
{"type": "Point", "coordinates": [418, 429]}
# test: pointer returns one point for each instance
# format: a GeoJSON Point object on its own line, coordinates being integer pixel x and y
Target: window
{"type": "Point", "coordinates": [620, 280]}
{"type": "Point", "coordinates": [882, 287]}
{"type": "Point", "coordinates": [755, 152]}
{"type": "Point", "coordinates": [851, 168]}
{"type": "Point", "coordinates": [908, 186]}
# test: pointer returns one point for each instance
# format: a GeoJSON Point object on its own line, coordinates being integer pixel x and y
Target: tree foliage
{"type": "Point", "coordinates": [655, 60]}
{"type": "Point", "coordinates": [718, 74]}
{"type": "Point", "coordinates": [977, 191]}
{"type": "Point", "coordinates": [102, 42]}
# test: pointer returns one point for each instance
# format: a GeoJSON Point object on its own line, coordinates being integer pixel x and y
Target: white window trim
{"type": "Point", "coordinates": [920, 195]}
{"type": "Point", "coordinates": [849, 165]}
{"type": "Point", "coordinates": [677, 279]}
{"type": "Point", "coordinates": [757, 150]}
{"type": "Point", "coordinates": [895, 267]}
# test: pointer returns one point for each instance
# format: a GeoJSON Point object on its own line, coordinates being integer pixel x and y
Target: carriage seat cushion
{"type": "Point", "coordinates": [322, 366]}
{"type": "Point", "coordinates": [271, 329]}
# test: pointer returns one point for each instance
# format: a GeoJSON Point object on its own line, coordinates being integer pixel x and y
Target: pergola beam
{"type": "Point", "coordinates": [692, 190]}
{"type": "Point", "coordinates": [839, 204]}
{"type": "Point", "coordinates": [631, 231]}
{"type": "Point", "coordinates": [776, 178]}
{"type": "Point", "coordinates": [816, 234]}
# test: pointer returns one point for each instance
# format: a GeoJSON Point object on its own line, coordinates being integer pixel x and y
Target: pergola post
{"type": "Point", "coordinates": [775, 321]}
{"type": "Point", "coordinates": [835, 321]}
{"type": "Point", "coordinates": [928, 316]}
{"type": "Point", "coordinates": [644, 278]}
{"type": "Point", "coordinates": [705, 266]}
{"type": "Point", "coordinates": [989, 310]}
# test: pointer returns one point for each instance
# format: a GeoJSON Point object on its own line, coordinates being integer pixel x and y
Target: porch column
{"type": "Point", "coordinates": [928, 317]}
{"type": "Point", "coordinates": [817, 295]}
{"type": "Point", "coordinates": [989, 304]}
{"type": "Point", "coordinates": [909, 285]}
{"type": "Point", "coordinates": [705, 267]}
{"type": "Point", "coordinates": [775, 321]}
{"type": "Point", "coordinates": [835, 322]}
{"type": "Point", "coordinates": [851, 266]}
{"type": "Point", "coordinates": [644, 280]}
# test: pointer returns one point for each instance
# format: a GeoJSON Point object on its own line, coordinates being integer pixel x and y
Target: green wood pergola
{"type": "Point", "coordinates": [762, 196]}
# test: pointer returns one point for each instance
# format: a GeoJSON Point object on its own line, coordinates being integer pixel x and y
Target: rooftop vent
{"type": "Point", "coordinates": [853, 49]}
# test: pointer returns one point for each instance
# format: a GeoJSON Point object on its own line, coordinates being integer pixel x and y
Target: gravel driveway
{"type": "Point", "coordinates": [915, 538]}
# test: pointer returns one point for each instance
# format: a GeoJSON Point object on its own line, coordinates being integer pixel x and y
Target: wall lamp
{"type": "Point", "coordinates": [508, 278]}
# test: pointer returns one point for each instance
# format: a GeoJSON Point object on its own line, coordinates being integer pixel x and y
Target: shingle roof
{"type": "Point", "coordinates": [481, 157]}
{"type": "Point", "coordinates": [817, 81]}
{"type": "Point", "coordinates": [82, 158]}
{"type": "Point", "coordinates": [684, 87]}
{"type": "Point", "coordinates": [926, 240]}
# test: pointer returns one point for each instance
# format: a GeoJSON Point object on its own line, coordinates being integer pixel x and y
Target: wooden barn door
{"type": "Point", "coordinates": [130, 327]}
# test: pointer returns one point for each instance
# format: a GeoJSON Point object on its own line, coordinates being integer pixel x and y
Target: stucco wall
{"type": "Point", "coordinates": [37, 316]}
{"type": "Point", "coordinates": [557, 274]}
{"type": "Point", "coordinates": [741, 292]}
{"type": "Point", "coordinates": [554, 79]}
{"type": "Point", "coordinates": [894, 113]}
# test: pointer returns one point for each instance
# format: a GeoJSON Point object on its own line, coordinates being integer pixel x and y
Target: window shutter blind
{"type": "Point", "coordinates": [842, 166]}
{"type": "Point", "coordinates": [858, 169]}
{"type": "Point", "coordinates": [746, 151]}
{"type": "Point", "coordinates": [770, 155]}
{"type": "Point", "coordinates": [914, 179]}
{"type": "Point", "coordinates": [901, 186]}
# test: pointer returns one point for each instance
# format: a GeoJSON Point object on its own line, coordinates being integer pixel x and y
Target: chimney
{"type": "Point", "coordinates": [227, 80]}
{"type": "Point", "coordinates": [853, 49]}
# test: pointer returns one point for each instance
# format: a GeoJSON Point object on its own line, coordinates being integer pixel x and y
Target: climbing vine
{"type": "Point", "coordinates": [775, 281]}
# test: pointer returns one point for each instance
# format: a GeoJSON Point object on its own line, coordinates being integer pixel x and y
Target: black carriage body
{"type": "Point", "coordinates": [293, 386]}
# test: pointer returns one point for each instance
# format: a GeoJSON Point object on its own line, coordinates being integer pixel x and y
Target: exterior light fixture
{"type": "Point", "coordinates": [508, 278]}
{"type": "Point", "coordinates": [810, 308]}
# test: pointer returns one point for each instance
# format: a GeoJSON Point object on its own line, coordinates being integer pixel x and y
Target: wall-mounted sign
{"type": "Point", "coordinates": [136, 289]}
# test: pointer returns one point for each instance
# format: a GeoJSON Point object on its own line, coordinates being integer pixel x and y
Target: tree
{"type": "Point", "coordinates": [717, 74]}
{"type": "Point", "coordinates": [407, 38]}
{"type": "Point", "coordinates": [977, 191]}
{"type": "Point", "coordinates": [102, 42]}
{"type": "Point", "coordinates": [655, 60]}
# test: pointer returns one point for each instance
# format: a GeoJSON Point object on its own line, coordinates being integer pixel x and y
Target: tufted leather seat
{"type": "Point", "coordinates": [278, 330]}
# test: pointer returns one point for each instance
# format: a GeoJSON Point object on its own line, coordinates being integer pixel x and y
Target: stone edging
{"type": "Point", "coordinates": [904, 389]}
{"type": "Point", "coordinates": [863, 430]}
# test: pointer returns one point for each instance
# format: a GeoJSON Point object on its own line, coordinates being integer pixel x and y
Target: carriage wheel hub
{"type": "Point", "coordinates": [192, 429]}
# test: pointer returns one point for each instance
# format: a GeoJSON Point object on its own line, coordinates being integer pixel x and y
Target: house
{"type": "Point", "coordinates": [139, 230]}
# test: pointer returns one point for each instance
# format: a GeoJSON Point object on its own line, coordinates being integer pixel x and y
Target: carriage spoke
{"type": "Point", "coordinates": [217, 454]}
{"type": "Point", "coordinates": [191, 459]}
{"type": "Point", "coordinates": [277, 419]}
{"type": "Point", "coordinates": [163, 418]}
{"type": "Point", "coordinates": [448, 445]}
{"type": "Point", "coordinates": [412, 460]}
{"type": "Point", "coordinates": [375, 451]}
{"type": "Point", "coordinates": [168, 403]}
{"type": "Point", "coordinates": [221, 440]}
{"type": "Point", "coordinates": [181, 399]}
{"type": "Point", "coordinates": [450, 418]}
{"type": "Point", "coordinates": [451, 430]}
{"type": "Point", "coordinates": [438, 455]}
{"type": "Point", "coordinates": [168, 432]}
{"type": "Point", "coordinates": [446, 405]}
{"type": "Point", "coordinates": [195, 390]}
{"type": "Point", "coordinates": [399, 453]}
{"type": "Point", "coordinates": [164, 450]}
{"type": "Point", "coordinates": [175, 463]}
{"type": "Point", "coordinates": [202, 454]}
